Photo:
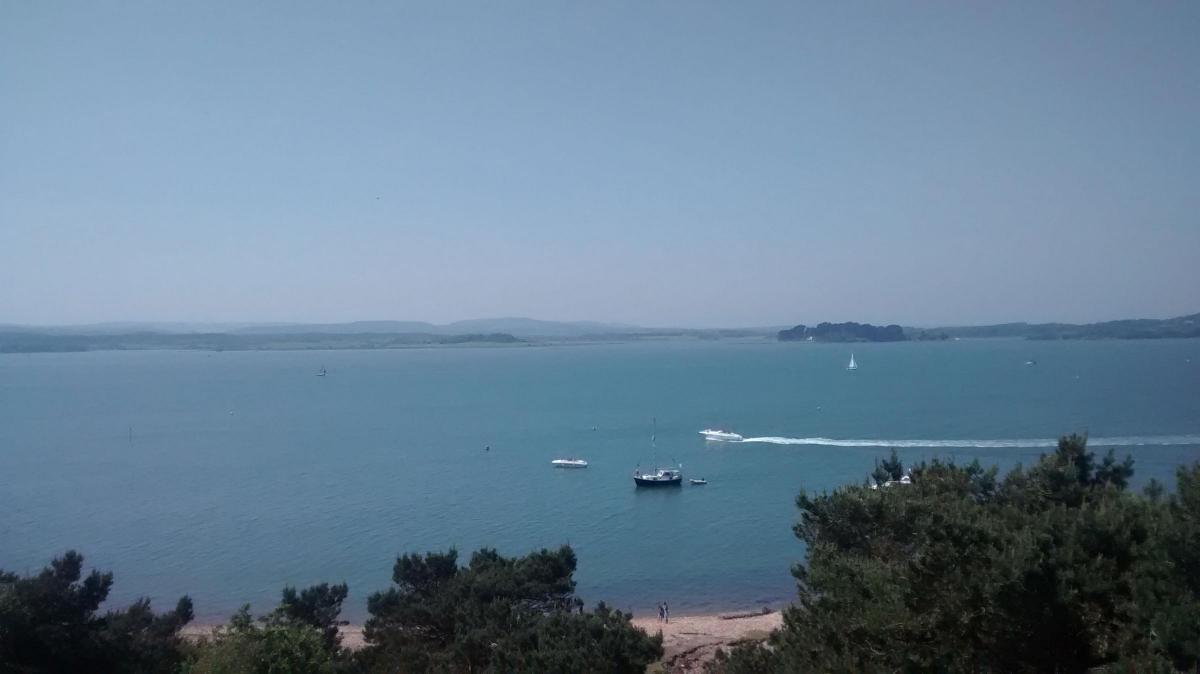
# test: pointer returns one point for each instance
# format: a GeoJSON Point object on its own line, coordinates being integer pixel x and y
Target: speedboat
{"type": "Point", "coordinates": [698, 481]}
{"type": "Point", "coordinates": [569, 463]}
{"type": "Point", "coordinates": [718, 435]}
{"type": "Point", "coordinates": [661, 477]}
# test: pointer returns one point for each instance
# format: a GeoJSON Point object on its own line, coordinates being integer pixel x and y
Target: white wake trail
{"type": "Point", "coordinates": [1014, 443]}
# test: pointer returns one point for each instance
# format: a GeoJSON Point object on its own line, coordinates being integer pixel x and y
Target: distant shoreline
{"type": "Point", "coordinates": [19, 347]}
{"type": "Point", "coordinates": [378, 335]}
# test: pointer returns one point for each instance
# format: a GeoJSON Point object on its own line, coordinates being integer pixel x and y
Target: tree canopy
{"type": "Point", "coordinates": [49, 623]}
{"type": "Point", "coordinates": [497, 614]}
{"type": "Point", "coordinates": [1055, 568]}
{"type": "Point", "coordinates": [276, 644]}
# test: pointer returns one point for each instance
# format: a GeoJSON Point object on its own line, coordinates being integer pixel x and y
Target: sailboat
{"type": "Point", "coordinates": [659, 477]}
{"type": "Point", "coordinates": [853, 365]}
{"type": "Point", "coordinates": [322, 372]}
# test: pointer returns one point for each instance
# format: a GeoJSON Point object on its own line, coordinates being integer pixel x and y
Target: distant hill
{"type": "Point", "coordinates": [1142, 328]}
{"type": "Point", "coordinates": [844, 332]}
{"type": "Point", "coordinates": [353, 335]}
{"type": "Point", "coordinates": [32, 342]}
{"type": "Point", "coordinates": [519, 327]}
{"type": "Point", "coordinates": [530, 327]}
{"type": "Point", "coordinates": [352, 328]}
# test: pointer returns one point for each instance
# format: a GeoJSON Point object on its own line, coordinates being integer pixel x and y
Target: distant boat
{"type": "Point", "coordinates": [661, 477]}
{"type": "Point", "coordinates": [853, 365]}
{"type": "Point", "coordinates": [698, 481]}
{"type": "Point", "coordinates": [569, 463]}
{"type": "Point", "coordinates": [1031, 363]}
{"type": "Point", "coordinates": [322, 373]}
{"type": "Point", "coordinates": [718, 435]}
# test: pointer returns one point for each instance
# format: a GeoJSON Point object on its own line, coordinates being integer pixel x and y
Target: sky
{"type": "Point", "coordinates": [658, 163]}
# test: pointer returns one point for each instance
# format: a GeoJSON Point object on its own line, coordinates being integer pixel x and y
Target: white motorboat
{"type": "Point", "coordinates": [718, 435]}
{"type": "Point", "coordinates": [569, 463]}
{"type": "Point", "coordinates": [698, 481]}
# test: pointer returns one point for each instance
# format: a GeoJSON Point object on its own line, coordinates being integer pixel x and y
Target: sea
{"type": "Point", "coordinates": [228, 475]}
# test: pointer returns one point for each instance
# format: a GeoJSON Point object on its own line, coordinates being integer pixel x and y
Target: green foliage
{"type": "Point", "coordinates": [48, 622]}
{"type": "Point", "coordinates": [497, 614]}
{"type": "Point", "coordinates": [318, 606]}
{"type": "Point", "coordinates": [1054, 568]}
{"type": "Point", "coordinates": [275, 647]}
{"type": "Point", "coordinates": [745, 658]}
{"type": "Point", "coordinates": [300, 635]}
{"type": "Point", "coordinates": [889, 469]}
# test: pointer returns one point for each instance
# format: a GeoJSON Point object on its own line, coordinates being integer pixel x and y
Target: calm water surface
{"type": "Point", "coordinates": [245, 472]}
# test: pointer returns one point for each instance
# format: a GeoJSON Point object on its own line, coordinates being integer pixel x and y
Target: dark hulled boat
{"type": "Point", "coordinates": [661, 477]}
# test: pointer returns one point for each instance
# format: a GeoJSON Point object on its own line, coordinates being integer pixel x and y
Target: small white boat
{"type": "Point", "coordinates": [853, 365]}
{"type": "Point", "coordinates": [718, 435]}
{"type": "Point", "coordinates": [569, 463]}
{"type": "Point", "coordinates": [322, 372]}
{"type": "Point", "coordinates": [698, 481]}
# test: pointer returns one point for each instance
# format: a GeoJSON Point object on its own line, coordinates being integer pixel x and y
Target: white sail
{"type": "Point", "coordinates": [852, 365]}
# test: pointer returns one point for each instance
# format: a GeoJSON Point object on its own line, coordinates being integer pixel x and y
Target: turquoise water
{"type": "Point", "coordinates": [246, 472]}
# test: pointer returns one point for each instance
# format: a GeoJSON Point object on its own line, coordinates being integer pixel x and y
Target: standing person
{"type": "Point", "coordinates": [660, 613]}
{"type": "Point", "coordinates": [666, 613]}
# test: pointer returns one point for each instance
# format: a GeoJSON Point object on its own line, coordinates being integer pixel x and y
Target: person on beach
{"type": "Point", "coordinates": [661, 613]}
{"type": "Point", "coordinates": [666, 613]}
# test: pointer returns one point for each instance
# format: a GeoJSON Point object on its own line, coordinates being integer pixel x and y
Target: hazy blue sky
{"type": "Point", "coordinates": [651, 162]}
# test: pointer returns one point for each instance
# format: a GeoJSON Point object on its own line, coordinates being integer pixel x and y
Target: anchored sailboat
{"type": "Point", "coordinates": [853, 365]}
{"type": "Point", "coordinates": [659, 477]}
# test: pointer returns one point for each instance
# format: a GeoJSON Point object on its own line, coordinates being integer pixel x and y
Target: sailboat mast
{"type": "Point", "coordinates": [653, 436]}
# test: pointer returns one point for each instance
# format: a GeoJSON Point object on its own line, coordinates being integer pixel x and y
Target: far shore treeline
{"type": "Point", "coordinates": [1057, 567]}
{"type": "Point", "coordinates": [844, 332]}
{"type": "Point", "coordinates": [527, 332]}
{"type": "Point", "coordinates": [1179, 327]}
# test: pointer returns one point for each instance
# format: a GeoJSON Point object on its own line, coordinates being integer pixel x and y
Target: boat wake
{"type": "Point", "coordinates": [1131, 441]}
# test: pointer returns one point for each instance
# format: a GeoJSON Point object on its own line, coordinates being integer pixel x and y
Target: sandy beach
{"type": "Point", "coordinates": [688, 641]}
